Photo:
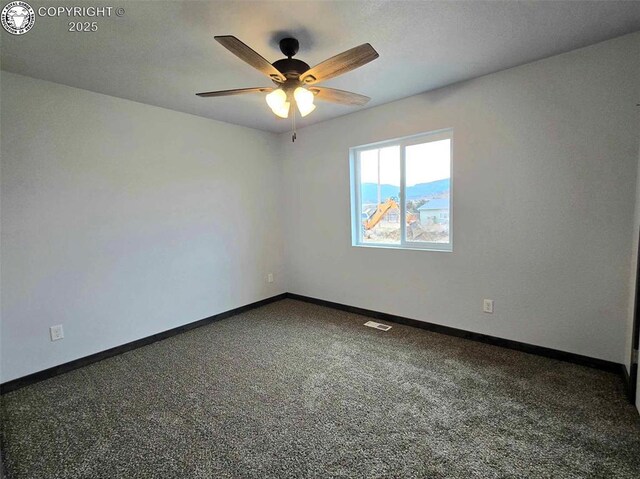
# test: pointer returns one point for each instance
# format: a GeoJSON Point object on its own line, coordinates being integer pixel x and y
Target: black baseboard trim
{"type": "Point", "coordinates": [629, 387]}
{"type": "Point", "coordinates": [461, 333]}
{"type": "Point", "coordinates": [437, 328]}
{"type": "Point", "coordinates": [80, 362]}
{"type": "Point", "coordinates": [627, 380]}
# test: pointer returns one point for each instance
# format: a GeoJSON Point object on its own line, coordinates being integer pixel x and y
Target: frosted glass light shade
{"type": "Point", "coordinates": [277, 101]}
{"type": "Point", "coordinates": [304, 100]}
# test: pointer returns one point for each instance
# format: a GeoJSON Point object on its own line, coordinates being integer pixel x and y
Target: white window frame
{"type": "Point", "coordinates": [356, 199]}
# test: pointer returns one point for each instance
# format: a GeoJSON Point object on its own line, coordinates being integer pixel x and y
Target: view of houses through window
{"type": "Point", "coordinates": [403, 191]}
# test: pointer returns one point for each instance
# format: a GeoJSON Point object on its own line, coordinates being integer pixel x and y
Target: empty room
{"type": "Point", "coordinates": [319, 239]}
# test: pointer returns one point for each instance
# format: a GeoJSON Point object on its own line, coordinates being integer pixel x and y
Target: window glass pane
{"type": "Point", "coordinates": [428, 177]}
{"type": "Point", "coordinates": [379, 193]}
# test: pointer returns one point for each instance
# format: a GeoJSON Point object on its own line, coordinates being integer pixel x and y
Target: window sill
{"type": "Point", "coordinates": [447, 249]}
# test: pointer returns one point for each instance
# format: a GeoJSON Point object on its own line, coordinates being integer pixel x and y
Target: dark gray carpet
{"type": "Point", "coordinates": [297, 390]}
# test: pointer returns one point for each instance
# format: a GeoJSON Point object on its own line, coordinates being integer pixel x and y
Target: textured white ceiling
{"type": "Point", "coordinates": [162, 53]}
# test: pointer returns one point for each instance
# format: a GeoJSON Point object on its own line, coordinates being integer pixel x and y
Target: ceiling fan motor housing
{"type": "Point", "coordinates": [291, 68]}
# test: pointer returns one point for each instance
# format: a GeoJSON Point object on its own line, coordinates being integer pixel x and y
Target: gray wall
{"type": "Point", "coordinates": [121, 220]}
{"type": "Point", "coordinates": [544, 171]}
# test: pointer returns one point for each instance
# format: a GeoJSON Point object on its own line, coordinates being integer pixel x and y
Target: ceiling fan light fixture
{"type": "Point", "coordinates": [304, 100]}
{"type": "Point", "coordinates": [283, 111]}
{"type": "Point", "coordinates": [277, 101]}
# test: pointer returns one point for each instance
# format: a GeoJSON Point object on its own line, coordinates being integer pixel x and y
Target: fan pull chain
{"type": "Point", "coordinates": [294, 136]}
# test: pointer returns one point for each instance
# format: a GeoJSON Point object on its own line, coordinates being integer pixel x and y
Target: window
{"type": "Point", "coordinates": [401, 192]}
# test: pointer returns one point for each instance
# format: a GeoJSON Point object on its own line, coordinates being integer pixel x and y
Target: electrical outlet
{"type": "Point", "coordinates": [56, 332]}
{"type": "Point", "coordinates": [270, 278]}
{"type": "Point", "coordinates": [487, 306]}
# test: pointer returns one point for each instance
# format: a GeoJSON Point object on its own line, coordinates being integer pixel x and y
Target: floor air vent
{"type": "Point", "coordinates": [381, 327]}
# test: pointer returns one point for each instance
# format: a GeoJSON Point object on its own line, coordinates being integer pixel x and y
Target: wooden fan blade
{"type": "Point", "coordinates": [239, 91]}
{"type": "Point", "coordinates": [342, 63]}
{"type": "Point", "coordinates": [339, 96]}
{"type": "Point", "coordinates": [250, 56]}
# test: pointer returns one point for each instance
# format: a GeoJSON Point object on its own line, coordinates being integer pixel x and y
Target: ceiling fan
{"type": "Point", "coordinates": [295, 80]}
